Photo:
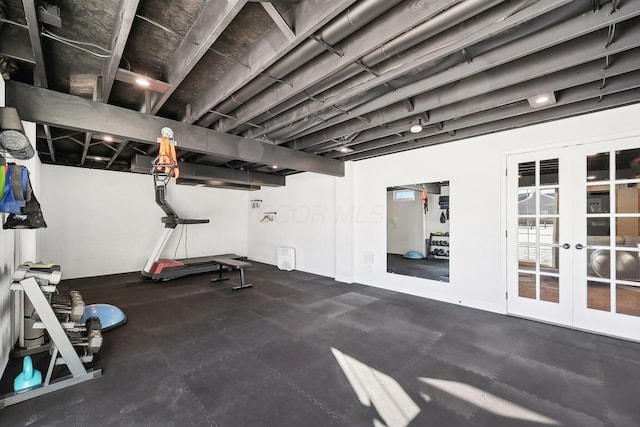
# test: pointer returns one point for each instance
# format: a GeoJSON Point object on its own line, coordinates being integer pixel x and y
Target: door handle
{"type": "Point", "coordinates": [566, 246]}
{"type": "Point", "coordinates": [579, 246]}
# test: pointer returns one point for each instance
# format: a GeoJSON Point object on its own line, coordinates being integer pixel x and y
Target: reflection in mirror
{"type": "Point", "coordinates": [418, 230]}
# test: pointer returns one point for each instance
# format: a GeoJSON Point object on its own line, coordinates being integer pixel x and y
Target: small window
{"type": "Point", "coordinates": [404, 195]}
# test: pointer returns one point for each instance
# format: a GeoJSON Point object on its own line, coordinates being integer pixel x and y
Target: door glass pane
{"type": "Point", "coordinates": [527, 230]}
{"type": "Point", "coordinates": [527, 285]}
{"type": "Point", "coordinates": [598, 231]}
{"type": "Point", "coordinates": [527, 174]}
{"type": "Point", "coordinates": [599, 263]}
{"type": "Point", "coordinates": [628, 300]}
{"type": "Point", "coordinates": [627, 198]}
{"type": "Point", "coordinates": [599, 295]}
{"type": "Point", "coordinates": [628, 164]}
{"type": "Point", "coordinates": [549, 172]}
{"type": "Point", "coordinates": [526, 257]}
{"type": "Point", "coordinates": [628, 232]}
{"type": "Point", "coordinates": [549, 259]}
{"type": "Point", "coordinates": [598, 199]}
{"type": "Point", "coordinates": [526, 202]}
{"type": "Point", "coordinates": [549, 201]}
{"type": "Point", "coordinates": [627, 266]}
{"type": "Point", "coordinates": [549, 230]}
{"type": "Point", "coordinates": [598, 167]}
{"type": "Point", "coordinates": [549, 288]}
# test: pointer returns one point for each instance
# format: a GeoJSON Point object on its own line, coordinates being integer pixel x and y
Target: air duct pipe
{"type": "Point", "coordinates": [300, 128]}
{"type": "Point", "coordinates": [345, 25]}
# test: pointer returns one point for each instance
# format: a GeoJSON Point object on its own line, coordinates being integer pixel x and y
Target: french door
{"type": "Point", "coordinates": [573, 236]}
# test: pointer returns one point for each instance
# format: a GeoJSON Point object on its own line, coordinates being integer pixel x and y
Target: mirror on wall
{"type": "Point", "coordinates": [418, 230]}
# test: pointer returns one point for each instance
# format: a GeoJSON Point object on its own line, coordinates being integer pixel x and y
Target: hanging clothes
{"type": "Point", "coordinates": [30, 214]}
{"type": "Point", "coordinates": [167, 160]}
{"type": "Point", "coordinates": [10, 204]}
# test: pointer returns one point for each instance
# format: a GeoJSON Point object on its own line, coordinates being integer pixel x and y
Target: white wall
{"type": "Point", "coordinates": [102, 222]}
{"type": "Point", "coordinates": [475, 169]}
{"type": "Point", "coordinates": [405, 225]}
{"type": "Point", "coordinates": [305, 220]}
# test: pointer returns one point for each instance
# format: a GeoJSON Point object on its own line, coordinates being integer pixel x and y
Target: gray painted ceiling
{"type": "Point", "coordinates": [341, 79]}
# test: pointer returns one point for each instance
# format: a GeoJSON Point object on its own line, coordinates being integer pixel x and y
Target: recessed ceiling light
{"type": "Point", "coordinates": [416, 128]}
{"type": "Point", "coordinates": [98, 158]}
{"type": "Point", "coordinates": [143, 82]}
{"type": "Point", "coordinates": [542, 100]}
{"type": "Point", "coordinates": [274, 167]}
{"type": "Point", "coordinates": [108, 138]}
{"type": "Point", "coordinates": [344, 149]}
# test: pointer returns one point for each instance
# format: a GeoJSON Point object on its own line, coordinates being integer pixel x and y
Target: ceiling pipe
{"type": "Point", "coordinates": [586, 24]}
{"type": "Point", "coordinates": [304, 127]}
{"type": "Point", "coordinates": [418, 34]}
{"type": "Point", "coordinates": [345, 25]}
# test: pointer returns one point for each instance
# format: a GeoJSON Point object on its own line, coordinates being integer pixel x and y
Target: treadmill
{"type": "Point", "coordinates": [157, 268]}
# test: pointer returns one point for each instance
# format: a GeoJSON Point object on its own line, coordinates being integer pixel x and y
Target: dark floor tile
{"type": "Point", "coordinates": [273, 404]}
{"type": "Point", "coordinates": [255, 333]}
{"type": "Point", "coordinates": [355, 298]}
{"type": "Point", "coordinates": [559, 355]}
{"type": "Point", "coordinates": [297, 320]}
{"type": "Point", "coordinates": [479, 359]}
{"type": "Point", "coordinates": [506, 406]}
{"type": "Point", "coordinates": [621, 384]}
{"type": "Point", "coordinates": [329, 308]}
{"type": "Point", "coordinates": [271, 307]}
{"type": "Point", "coordinates": [324, 380]}
{"type": "Point", "coordinates": [577, 392]}
{"type": "Point", "coordinates": [290, 354]}
{"type": "Point", "coordinates": [333, 333]}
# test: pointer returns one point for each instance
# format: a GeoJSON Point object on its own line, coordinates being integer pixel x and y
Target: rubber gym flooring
{"type": "Point", "coordinates": [303, 350]}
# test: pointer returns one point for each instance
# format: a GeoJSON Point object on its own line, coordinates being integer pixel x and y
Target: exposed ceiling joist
{"type": "Point", "coordinates": [309, 16]}
{"type": "Point", "coordinates": [362, 42]}
{"type": "Point", "coordinates": [195, 171]}
{"type": "Point", "coordinates": [570, 110]}
{"type": "Point", "coordinates": [501, 60]}
{"type": "Point", "coordinates": [279, 20]}
{"type": "Point", "coordinates": [39, 72]}
{"type": "Point", "coordinates": [71, 112]}
{"type": "Point", "coordinates": [124, 21]}
{"type": "Point", "coordinates": [457, 112]}
{"type": "Point", "coordinates": [441, 45]}
{"type": "Point", "coordinates": [17, 48]}
{"type": "Point", "coordinates": [213, 20]}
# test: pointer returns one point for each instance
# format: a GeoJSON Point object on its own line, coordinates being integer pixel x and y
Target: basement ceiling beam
{"type": "Point", "coordinates": [566, 111]}
{"type": "Point", "coordinates": [457, 112]}
{"type": "Point", "coordinates": [391, 25]}
{"type": "Point", "coordinates": [493, 22]}
{"type": "Point", "coordinates": [309, 16]}
{"type": "Point", "coordinates": [279, 20]}
{"type": "Point", "coordinates": [214, 19]}
{"type": "Point", "coordinates": [195, 171]}
{"type": "Point", "coordinates": [572, 95]}
{"type": "Point", "coordinates": [39, 72]}
{"type": "Point", "coordinates": [506, 71]}
{"type": "Point", "coordinates": [124, 20]}
{"type": "Point", "coordinates": [17, 47]}
{"type": "Point", "coordinates": [75, 113]}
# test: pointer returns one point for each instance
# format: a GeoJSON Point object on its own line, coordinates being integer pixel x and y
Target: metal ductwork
{"type": "Point", "coordinates": [13, 139]}
{"type": "Point", "coordinates": [418, 34]}
{"type": "Point", "coordinates": [342, 27]}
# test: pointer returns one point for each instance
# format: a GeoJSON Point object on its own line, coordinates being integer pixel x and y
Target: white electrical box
{"type": "Point", "coordinates": [286, 258]}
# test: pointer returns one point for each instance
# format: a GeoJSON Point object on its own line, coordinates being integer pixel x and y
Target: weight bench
{"type": "Point", "coordinates": [234, 264]}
